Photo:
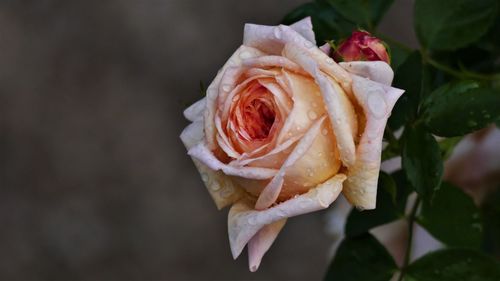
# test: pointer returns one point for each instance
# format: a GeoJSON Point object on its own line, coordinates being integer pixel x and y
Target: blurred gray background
{"type": "Point", "coordinates": [94, 181]}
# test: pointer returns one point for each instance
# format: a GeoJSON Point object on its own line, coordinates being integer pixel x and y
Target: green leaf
{"type": "Point", "coordinates": [421, 160]}
{"type": "Point", "coordinates": [452, 218]}
{"type": "Point", "coordinates": [359, 222]}
{"type": "Point", "coordinates": [454, 265]}
{"type": "Point", "coordinates": [327, 23]}
{"type": "Point", "coordinates": [403, 188]}
{"type": "Point", "coordinates": [490, 210]}
{"type": "Point", "coordinates": [366, 13]}
{"type": "Point", "coordinates": [361, 258]}
{"type": "Point", "coordinates": [409, 77]}
{"type": "Point", "coordinates": [452, 24]}
{"type": "Point", "coordinates": [456, 109]}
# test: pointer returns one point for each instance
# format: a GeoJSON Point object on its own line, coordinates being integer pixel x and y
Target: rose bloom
{"type": "Point", "coordinates": [361, 46]}
{"type": "Point", "coordinates": [284, 129]}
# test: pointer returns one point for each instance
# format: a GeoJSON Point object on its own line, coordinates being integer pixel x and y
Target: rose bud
{"type": "Point", "coordinates": [284, 129]}
{"type": "Point", "coordinates": [362, 46]}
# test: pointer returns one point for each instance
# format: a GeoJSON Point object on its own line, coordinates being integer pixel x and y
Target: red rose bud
{"type": "Point", "coordinates": [362, 46]}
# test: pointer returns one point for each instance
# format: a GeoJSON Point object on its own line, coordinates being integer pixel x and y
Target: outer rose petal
{"type": "Point", "coordinates": [305, 28]}
{"type": "Point", "coordinates": [195, 111]}
{"type": "Point", "coordinates": [244, 222]}
{"type": "Point", "coordinates": [220, 187]}
{"type": "Point", "coordinates": [261, 242]}
{"type": "Point", "coordinates": [272, 39]}
{"type": "Point", "coordinates": [377, 101]}
{"type": "Point", "coordinates": [340, 108]}
{"type": "Point", "coordinates": [377, 71]}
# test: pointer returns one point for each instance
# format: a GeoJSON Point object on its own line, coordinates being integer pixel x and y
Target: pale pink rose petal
{"type": "Point", "coordinates": [305, 28]}
{"type": "Point", "coordinates": [261, 242]}
{"type": "Point", "coordinates": [378, 71]}
{"type": "Point", "coordinates": [220, 187]}
{"type": "Point", "coordinates": [377, 101]}
{"type": "Point", "coordinates": [340, 109]}
{"type": "Point", "coordinates": [272, 39]}
{"type": "Point", "coordinates": [271, 192]}
{"type": "Point", "coordinates": [273, 61]}
{"type": "Point", "coordinates": [204, 155]}
{"type": "Point", "coordinates": [243, 52]}
{"type": "Point", "coordinates": [244, 221]}
{"type": "Point", "coordinates": [326, 48]}
{"type": "Point", "coordinates": [195, 111]}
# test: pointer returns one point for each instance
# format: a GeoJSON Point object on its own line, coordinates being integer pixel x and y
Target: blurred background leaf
{"type": "Point", "coordinates": [454, 265]}
{"type": "Point", "coordinates": [452, 217]}
{"type": "Point", "coordinates": [361, 258]}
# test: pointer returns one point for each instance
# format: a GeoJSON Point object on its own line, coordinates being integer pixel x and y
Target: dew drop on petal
{"type": "Point", "coordinates": [324, 132]}
{"type": "Point", "coordinates": [277, 32]}
{"type": "Point", "coordinates": [329, 60]}
{"type": "Point", "coordinates": [226, 87]}
{"type": "Point", "coordinates": [312, 115]}
{"type": "Point", "coordinates": [245, 55]}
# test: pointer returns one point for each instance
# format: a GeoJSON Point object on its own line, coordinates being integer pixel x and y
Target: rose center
{"type": "Point", "coordinates": [259, 115]}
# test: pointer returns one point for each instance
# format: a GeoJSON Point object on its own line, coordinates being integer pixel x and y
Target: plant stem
{"type": "Point", "coordinates": [411, 222]}
{"type": "Point", "coordinates": [460, 74]}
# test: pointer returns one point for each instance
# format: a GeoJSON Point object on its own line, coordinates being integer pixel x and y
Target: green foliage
{"type": "Point", "coordinates": [366, 13]}
{"type": "Point", "coordinates": [454, 265]}
{"type": "Point", "coordinates": [452, 24]}
{"type": "Point", "coordinates": [452, 88]}
{"type": "Point", "coordinates": [461, 229]}
{"type": "Point", "coordinates": [421, 160]}
{"type": "Point", "coordinates": [490, 211]}
{"type": "Point", "coordinates": [409, 77]}
{"type": "Point", "coordinates": [459, 108]}
{"type": "Point", "coordinates": [361, 258]}
{"type": "Point", "coordinates": [328, 23]}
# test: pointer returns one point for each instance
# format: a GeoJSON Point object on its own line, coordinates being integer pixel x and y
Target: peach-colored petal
{"type": "Point", "coordinates": [307, 104]}
{"type": "Point", "coordinates": [261, 242]}
{"type": "Point", "coordinates": [377, 71]}
{"type": "Point", "coordinates": [244, 221]}
{"type": "Point", "coordinates": [271, 192]}
{"type": "Point", "coordinates": [340, 110]}
{"type": "Point", "coordinates": [213, 90]}
{"type": "Point", "coordinates": [377, 101]}
{"type": "Point", "coordinates": [204, 155]}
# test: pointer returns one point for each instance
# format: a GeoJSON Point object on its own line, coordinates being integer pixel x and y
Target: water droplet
{"type": "Point", "coordinates": [310, 172]}
{"type": "Point", "coordinates": [215, 187]}
{"type": "Point", "coordinates": [226, 87]}
{"type": "Point", "coordinates": [298, 128]}
{"type": "Point", "coordinates": [252, 220]}
{"type": "Point", "coordinates": [245, 55]}
{"type": "Point", "coordinates": [329, 60]}
{"type": "Point", "coordinates": [303, 203]}
{"type": "Point", "coordinates": [308, 44]}
{"type": "Point", "coordinates": [236, 98]}
{"type": "Point", "coordinates": [281, 213]}
{"type": "Point", "coordinates": [204, 177]}
{"type": "Point", "coordinates": [313, 104]}
{"type": "Point", "coordinates": [277, 32]}
{"type": "Point", "coordinates": [227, 192]}
{"type": "Point", "coordinates": [312, 115]}
{"type": "Point", "coordinates": [320, 154]}
{"type": "Point", "coordinates": [324, 132]}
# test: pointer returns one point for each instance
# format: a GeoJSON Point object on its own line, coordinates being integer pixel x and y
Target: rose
{"type": "Point", "coordinates": [284, 129]}
{"type": "Point", "coordinates": [361, 46]}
